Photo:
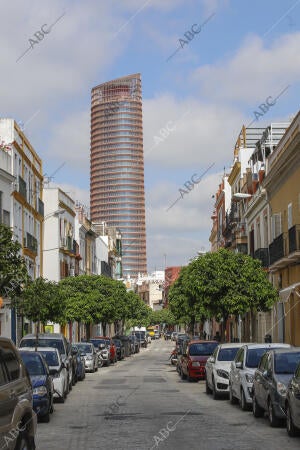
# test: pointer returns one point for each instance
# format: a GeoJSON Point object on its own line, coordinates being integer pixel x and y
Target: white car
{"type": "Point", "coordinates": [217, 369]}
{"type": "Point", "coordinates": [58, 371]}
{"type": "Point", "coordinates": [242, 372]}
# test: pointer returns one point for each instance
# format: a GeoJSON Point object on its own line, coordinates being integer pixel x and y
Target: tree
{"type": "Point", "coordinates": [229, 283]}
{"type": "Point", "coordinates": [186, 305]}
{"type": "Point", "coordinates": [13, 271]}
{"type": "Point", "coordinates": [137, 312]}
{"type": "Point", "coordinates": [41, 302]}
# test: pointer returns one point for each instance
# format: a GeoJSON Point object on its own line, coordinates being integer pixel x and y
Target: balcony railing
{"type": "Point", "coordinates": [22, 187]}
{"type": "Point", "coordinates": [294, 238]}
{"type": "Point", "coordinates": [277, 249]}
{"type": "Point", "coordinates": [263, 255]}
{"type": "Point", "coordinates": [31, 243]}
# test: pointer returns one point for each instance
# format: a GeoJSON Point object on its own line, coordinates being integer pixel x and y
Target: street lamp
{"type": "Point", "coordinates": [55, 213]}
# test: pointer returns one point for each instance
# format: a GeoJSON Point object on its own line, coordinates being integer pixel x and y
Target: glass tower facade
{"type": "Point", "coordinates": [117, 166]}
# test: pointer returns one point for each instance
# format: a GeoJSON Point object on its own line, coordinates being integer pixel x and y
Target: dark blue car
{"type": "Point", "coordinates": [42, 383]}
{"type": "Point", "coordinates": [80, 366]}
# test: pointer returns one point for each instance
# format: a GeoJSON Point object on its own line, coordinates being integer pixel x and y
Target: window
{"type": "Point", "coordinates": [290, 216]}
{"type": "Point", "coordinates": [276, 225]}
{"type": "Point", "coordinates": [11, 362]}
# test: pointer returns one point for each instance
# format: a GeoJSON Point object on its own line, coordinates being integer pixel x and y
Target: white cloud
{"type": "Point", "coordinates": [255, 72]}
{"type": "Point", "coordinates": [197, 134]}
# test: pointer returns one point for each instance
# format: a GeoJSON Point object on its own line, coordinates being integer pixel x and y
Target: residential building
{"type": "Point", "coordinates": [6, 189]}
{"type": "Point", "coordinates": [26, 207]}
{"type": "Point", "coordinates": [150, 289]}
{"type": "Point", "coordinates": [86, 235]}
{"type": "Point", "coordinates": [117, 166]}
{"type": "Point", "coordinates": [59, 235]}
{"type": "Point", "coordinates": [111, 264]}
{"type": "Point", "coordinates": [283, 194]}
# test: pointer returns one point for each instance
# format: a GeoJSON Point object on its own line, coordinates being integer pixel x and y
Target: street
{"type": "Point", "coordinates": [141, 404]}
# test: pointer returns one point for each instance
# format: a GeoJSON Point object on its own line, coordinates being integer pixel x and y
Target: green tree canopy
{"type": "Point", "coordinates": [41, 302]}
{"type": "Point", "coordinates": [13, 271]}
{"type": "Point", "coordinates": [219, 284]}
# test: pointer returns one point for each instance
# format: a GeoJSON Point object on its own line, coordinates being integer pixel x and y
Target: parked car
{"type": "Point", "coordinates": [174, 335]}
{"type": "Point", "coordinates": [119, 348]}
{"type": "Point", "coordinates": [156, 334]}
{"type": "Point", "coordinates": [194, 357]}
{"type": "Point", "coordinates": [217, 369]}
{"type": "Point", "coordinates": [292, 404]}
{"type": "Point", "coordinates": [55, 340]}
{"type": "Point", "coordinates": [126, 343]}
{"type": "Point", "coordinates": [89, 354]}
{"type": "Point", "coordinates": [80, 363]}
{"type": "Point", "coordinates": [57, 370]}
{"type": "Point", "coordinates": [111, 347]}
{"type": "Point", "coordinates": [141, 336]}
{"type": "Point", "coordinates": [275, 370]}
{"type": "Point", "coordinates": [242, 372]}
{"type": "Point", "coordinates": [41, 382]}
{"type": "Point", "coordinates": [135, 343]}
{"type": "Point", "coordinates": [167, 335]}
{"type": "Point", "coordinates": [18, 420]}
{"type": "Point", "coordinates": [102, 349]}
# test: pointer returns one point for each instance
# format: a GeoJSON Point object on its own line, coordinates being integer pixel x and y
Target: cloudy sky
{"type": "Point", "coordinates": [198, 90]}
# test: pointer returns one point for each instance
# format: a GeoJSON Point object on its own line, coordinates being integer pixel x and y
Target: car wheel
{"type": "Point", "coordinates": [244, 404]}
{"type": "Point", "coordinates": [214, 391]}
{"type": "Point", "coordinates": [24, 442]}
{"type": "Point", "coordinates": [233, 400]}
{"type": "Point", "coordinates": [274, 421]}
{"type": "Point", "coordinates": [207, 388]}
{"type": "Point", "coordinates": [256, 409]}
{"type": "Point", "coordinates": [46, 417]}
{"type": "Point", "coordinates": [290, 427]}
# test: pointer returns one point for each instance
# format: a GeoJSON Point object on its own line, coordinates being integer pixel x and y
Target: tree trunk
{"type": "Point", "coordinates": [104, 325]}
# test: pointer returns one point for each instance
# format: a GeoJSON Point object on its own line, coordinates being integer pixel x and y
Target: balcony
{"type": "Point", "coordinates": [294, 243]}
{"type": "Point", "coordinates": [263, 255]}
{"type": "Point", "coordinates": [278, 251]}
{"type": "Point", "coordinates": [22, 188]}
{"type": "Point", "coordinates": [31, 243]}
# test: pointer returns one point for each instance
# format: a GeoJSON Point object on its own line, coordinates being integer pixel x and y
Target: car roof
{"type": "Point", "coordinates": [285, 350]}
{"type": "Point", "coordinates": [267, 345]}
{"type": "Point", "coordinates": [45, 335]}
{"type": "Point", "coordinates": [231, 345]}
{"type": "Point", "coordinates": [39, 349]}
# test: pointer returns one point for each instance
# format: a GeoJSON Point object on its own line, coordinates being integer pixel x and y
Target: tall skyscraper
{"type": "Point", "coordinates": [117, 166]}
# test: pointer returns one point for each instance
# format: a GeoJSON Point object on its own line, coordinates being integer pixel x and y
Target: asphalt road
{"type": "Point", "coordinates": [142, 404]}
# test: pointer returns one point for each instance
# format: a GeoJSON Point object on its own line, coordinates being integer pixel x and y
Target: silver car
{"type": "Point", "coordinates": [242, 372]}
{"type": "Point", "coordinates": [90, 355]}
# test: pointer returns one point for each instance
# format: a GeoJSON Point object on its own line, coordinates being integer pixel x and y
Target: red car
{"type": "Point", "coordinates": [111, 346]}
{"type": "Point", "coordinates": [193, 359]}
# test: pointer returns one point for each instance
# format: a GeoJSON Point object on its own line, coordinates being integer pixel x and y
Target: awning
{"type": "Point", "coordinates": [285, 293]}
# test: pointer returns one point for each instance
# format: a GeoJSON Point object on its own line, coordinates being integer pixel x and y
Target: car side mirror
{"type": "Point", "coordinates": [239, 365]}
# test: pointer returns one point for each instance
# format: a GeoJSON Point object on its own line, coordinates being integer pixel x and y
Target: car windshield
{"type": "Point", "coordinates": [286, 363]}
{"type": "Point", "coordinates": [55, 343]}
{"type": "Point", "coordinates": [254, 355]}
{"type": "Point", "coordinates": [97, 342]}
{"type": "Point", "coordinates": [50, 357]}
{"type": "Point", "coordinates": [227, 354]}
{"type": "Point", "coordinates": [85, 348]}
{"type": "Point", "coordinates": [33, 363]}
{"type": "Point", "coordinates": [203, 349]}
